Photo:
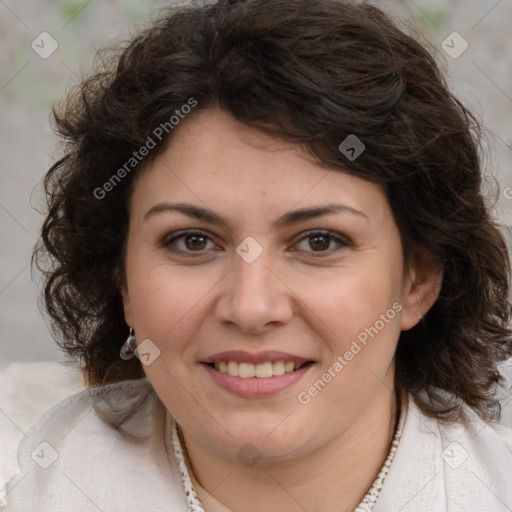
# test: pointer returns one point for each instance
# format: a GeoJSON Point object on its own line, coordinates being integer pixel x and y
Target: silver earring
{"type": "Point", "coordinates": [128, 349]}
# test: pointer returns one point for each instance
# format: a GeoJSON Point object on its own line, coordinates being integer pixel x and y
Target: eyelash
{"type": "Point", "coordinates": [168, 242]}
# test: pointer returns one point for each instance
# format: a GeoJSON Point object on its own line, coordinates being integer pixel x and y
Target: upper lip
{"type": "Point", "coordinates": [242, 356]}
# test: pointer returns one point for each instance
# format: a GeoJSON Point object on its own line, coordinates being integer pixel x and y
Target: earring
{"type": "Point", "coordinates": [128, 349]}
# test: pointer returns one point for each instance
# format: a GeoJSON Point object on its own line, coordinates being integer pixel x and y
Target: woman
{"type": "Point", "coordinates": [269, 249]}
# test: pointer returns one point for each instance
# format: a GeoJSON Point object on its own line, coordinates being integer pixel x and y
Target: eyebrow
{"type": "Point", "coordinates": [286, 220]}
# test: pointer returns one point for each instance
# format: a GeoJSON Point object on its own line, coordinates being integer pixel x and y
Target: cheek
{"type": "Point", "coordinates": [349, 300]}
{"type": "Point", "coordinates": [360, 313]}
{"type": "Point", "coordinates": [359, 308]}
{"type": "Point", "coordinates": [168, 301]}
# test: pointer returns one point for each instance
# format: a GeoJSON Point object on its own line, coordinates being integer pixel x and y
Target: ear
{"type": "Point", "coordinates": [421, 289]}
{"type": "Point", "coordinates": [128, 316]}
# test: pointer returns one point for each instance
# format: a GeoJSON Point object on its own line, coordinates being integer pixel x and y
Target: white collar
{"type": "Point", "coordinates": [440, 467]}
{"type": "Point", "coordinates": [97, 469]}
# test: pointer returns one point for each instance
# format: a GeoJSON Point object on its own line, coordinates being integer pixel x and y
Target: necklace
{"type": "Point", "coordinates": [366, 504]}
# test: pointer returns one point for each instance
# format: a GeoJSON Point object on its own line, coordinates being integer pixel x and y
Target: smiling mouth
{"type": "Point", "coordinates": [261, 370]}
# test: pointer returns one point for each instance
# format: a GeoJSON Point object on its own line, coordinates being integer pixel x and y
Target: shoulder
{"type": "Point", "coordinates": [448, 467]}
{"type": "Point", "coordinates": [71, 459]}
{"type": "Point", "coordinates": [28, 389]}
{"type": "Point", "coordinates": [477, 464]}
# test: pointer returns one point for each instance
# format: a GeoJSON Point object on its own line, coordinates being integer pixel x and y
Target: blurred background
{"type": "Point", "coordinates": [48, 45]}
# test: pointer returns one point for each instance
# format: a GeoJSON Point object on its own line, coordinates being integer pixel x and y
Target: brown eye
{"type": "Point", "coordinates": [321, 242]}
{"type": "Point", "coordinates": [194, 242]}
{"type": "Point", "coordinates": [187, 242]}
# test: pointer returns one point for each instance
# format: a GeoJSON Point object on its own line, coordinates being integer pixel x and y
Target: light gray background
{"type": "Point", "coordinates": [481, 76]}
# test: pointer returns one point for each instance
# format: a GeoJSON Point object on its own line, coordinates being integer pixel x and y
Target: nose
{"type": "Point", "coordinates": [254, 297]}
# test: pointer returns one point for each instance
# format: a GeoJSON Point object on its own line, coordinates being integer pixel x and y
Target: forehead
{"type": "Point", "coordinates": [217, 160]}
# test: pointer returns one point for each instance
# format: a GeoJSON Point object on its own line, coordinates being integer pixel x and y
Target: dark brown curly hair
{"type": "Point", "coordinates": [310, 72]}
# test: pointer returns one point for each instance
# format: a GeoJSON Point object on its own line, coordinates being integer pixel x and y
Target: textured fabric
{"type": "Point", "coordinates": [96, 469]}
{"type": "Point", "coordinates": [27, 390]}
{"type": "Point", "coordinates": [441, 468]}
{"type": "Point", "coordinates": [436, 468]}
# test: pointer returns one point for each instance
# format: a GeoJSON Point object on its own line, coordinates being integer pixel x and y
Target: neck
{"type": "Point", "coordinates": [333, 478]}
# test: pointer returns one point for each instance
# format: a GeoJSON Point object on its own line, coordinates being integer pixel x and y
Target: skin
{"type": "Point", "coordinates": [322, 456]}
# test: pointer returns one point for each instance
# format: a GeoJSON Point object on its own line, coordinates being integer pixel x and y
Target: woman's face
{"type": "Point", "coordinates": [267, 281]}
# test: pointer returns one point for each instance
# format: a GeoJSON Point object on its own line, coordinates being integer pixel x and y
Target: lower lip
{"type": "Point", "coordinates": [254, 387]}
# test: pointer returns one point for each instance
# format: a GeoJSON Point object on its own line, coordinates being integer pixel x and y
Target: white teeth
{"type": "Point", "coordinates": [261, 370]}
{"type": "Point", "coordinates": [246, 370]}
{"type": "Point", "coordinates": [278, 368]}
{"type": "Point", "coordinates": [233, 368]}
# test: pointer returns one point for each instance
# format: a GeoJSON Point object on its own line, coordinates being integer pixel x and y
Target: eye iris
{"type": "Point", "coordinates": [324, 241]}
{"type": "Point", "coordinates": [195, 245]}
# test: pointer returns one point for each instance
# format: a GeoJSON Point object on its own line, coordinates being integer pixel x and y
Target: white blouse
{"type": "Point", "coordinates": [70, 459]}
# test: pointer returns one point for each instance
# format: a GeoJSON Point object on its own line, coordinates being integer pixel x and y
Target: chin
{"type": "Point", "coordinates": [265, 436]}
